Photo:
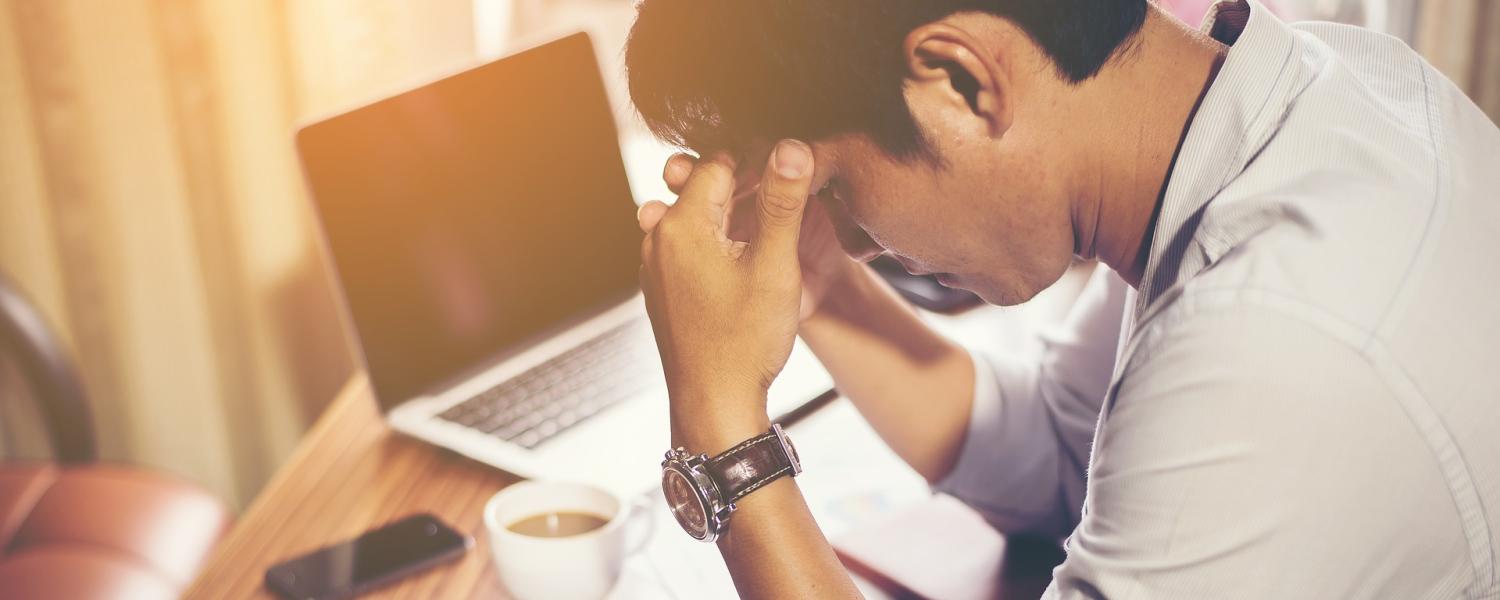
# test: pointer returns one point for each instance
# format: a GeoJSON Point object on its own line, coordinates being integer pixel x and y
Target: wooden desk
{"type": "Point", "coordinates": [352, 472]}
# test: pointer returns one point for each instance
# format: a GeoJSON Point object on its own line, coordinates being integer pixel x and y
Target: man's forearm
{"type": "Point", "coordinates": [773, 547]}
{"type": "Point", "coordinates": [914, 386]}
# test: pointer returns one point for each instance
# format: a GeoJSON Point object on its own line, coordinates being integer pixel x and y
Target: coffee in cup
{"type": "Point", "coordinates": [558, 524]}
{"type": "Point", "coordinates": [562, 541]}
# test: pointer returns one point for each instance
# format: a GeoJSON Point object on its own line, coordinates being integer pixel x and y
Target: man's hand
{"type": "Point", "coordinates": [725, 312]}
{"type": "Point", "coordinates": [824, 263]}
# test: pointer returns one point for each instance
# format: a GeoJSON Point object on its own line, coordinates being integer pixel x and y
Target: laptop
{"type": "Point", "coordinates": [484, 238]}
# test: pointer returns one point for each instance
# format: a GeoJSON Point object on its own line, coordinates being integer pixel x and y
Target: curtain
{"type": "Point", "coordinates": [1462, 39]}
{"type": "Point", "coordinates": [151, 205]}
{"type": "Point", "coordinates": [1459, 37]}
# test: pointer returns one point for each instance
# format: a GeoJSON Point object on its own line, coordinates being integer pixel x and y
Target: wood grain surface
{"type": "Point", "coordinates": [352, 473]}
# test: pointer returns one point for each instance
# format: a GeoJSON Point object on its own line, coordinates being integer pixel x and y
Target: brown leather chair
{"type": "Point", "coordinates": [77, 529]}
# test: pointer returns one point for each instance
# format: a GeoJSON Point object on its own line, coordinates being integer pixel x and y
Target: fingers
{"type": "Point", "coordinates": [649, 214]}
{"type": "Point", "coordinates": [786, 184]}
{"type": "Point", "coordinates": [680, 166]}
{"type": "Point", "coordinates": [706, 193]}
{"type": "Point", "coordinates": [676, 173]}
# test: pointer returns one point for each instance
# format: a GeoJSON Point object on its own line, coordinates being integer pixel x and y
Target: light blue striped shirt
{"type": "Point", "coordinates": [1303, 398]}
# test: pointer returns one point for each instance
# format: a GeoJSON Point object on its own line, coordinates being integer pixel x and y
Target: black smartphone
{"type": "Point", "coordinates": [369, 561]}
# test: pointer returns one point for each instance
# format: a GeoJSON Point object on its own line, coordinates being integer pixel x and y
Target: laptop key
{"type": "Point", "coordinates": [550, 398]}
{"type": "Point", "coordinates": [509, 431]}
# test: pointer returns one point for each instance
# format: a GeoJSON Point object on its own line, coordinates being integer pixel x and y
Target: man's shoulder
{"type": "Point", "coordinates": [1336, 203]}
{"type": "Point", "coordinates": [1242, 359]}
{"type": "Point", "coordinates": [1239, 424]}
{"type": "Point", "coordinates": [1369, 213]}
{"type": "Point", "coordinates": [1209, 323]}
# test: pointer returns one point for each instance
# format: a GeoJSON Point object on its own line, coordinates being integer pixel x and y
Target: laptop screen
{"type": "Point", "coordinates": [475, 213]}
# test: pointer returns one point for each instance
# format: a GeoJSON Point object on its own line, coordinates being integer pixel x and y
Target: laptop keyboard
{"type": "Point", "coordinates": [535, 406]}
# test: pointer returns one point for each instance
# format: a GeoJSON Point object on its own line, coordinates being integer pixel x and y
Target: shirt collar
{"type": "Point", "coordinates": [1237, 116]}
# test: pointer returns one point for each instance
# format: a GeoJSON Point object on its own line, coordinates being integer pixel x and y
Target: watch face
{"type": "Point", "coordinates": [686, 507]}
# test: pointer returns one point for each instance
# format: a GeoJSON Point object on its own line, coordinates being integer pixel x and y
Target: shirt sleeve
{"type": "Point", "coordinates": [1249, 454]}
{"type": "Point", "coordinates": [1025, 453]}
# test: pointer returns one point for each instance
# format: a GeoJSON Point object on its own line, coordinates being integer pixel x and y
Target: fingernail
{"type": "Point", "coordinates": [792, 159]}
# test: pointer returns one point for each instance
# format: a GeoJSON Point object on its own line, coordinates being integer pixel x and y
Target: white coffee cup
{"type": "Point", "coordinates": [576, 567]}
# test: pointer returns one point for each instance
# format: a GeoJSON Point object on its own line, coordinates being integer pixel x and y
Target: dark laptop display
{"type": "Point", "coordinates": [475, 213]}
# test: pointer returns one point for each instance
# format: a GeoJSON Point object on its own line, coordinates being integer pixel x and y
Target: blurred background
{"type": "Point", "coordinates": [152, 207]}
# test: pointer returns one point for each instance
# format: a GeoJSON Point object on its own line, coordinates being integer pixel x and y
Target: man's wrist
{"type": "Point", "coordinates": [713, 427]}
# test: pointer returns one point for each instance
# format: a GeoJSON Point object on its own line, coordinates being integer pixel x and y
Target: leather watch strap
{"type": "Point", "coordinates": [748, 466]}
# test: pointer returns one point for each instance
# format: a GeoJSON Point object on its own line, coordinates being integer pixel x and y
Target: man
{"type": "Point", "coordinates": [1285, 383]}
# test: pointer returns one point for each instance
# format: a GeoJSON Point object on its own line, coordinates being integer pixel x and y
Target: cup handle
{"type": "Point", "coordinates": [639, 531]}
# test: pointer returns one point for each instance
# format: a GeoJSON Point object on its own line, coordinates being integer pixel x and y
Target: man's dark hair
{"type": "Point", "coordinates": [719, 74]}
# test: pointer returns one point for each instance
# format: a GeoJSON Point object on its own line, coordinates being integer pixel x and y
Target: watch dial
{"type": "Point", "coordinates": [686, 507]}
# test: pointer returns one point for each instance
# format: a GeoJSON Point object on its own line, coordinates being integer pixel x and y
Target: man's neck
{"type": "Point", "coordinates": [1146, 99]}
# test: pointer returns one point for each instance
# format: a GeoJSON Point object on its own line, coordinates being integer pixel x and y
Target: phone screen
{"type": "Point", "coordinates": [377, 557]}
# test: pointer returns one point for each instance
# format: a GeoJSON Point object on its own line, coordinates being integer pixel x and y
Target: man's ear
{"type": "Point", "coordinates": [947, 66]}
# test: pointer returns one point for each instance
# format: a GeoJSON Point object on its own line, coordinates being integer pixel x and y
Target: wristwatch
{"type": "Point", "coordinates": [702, 491]}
